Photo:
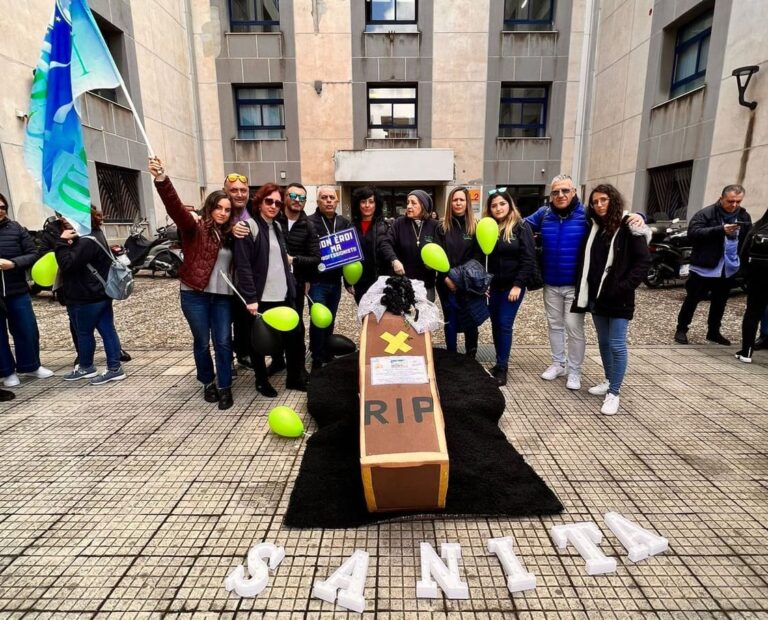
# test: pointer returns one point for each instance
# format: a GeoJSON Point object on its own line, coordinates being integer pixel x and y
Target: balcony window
{"type": "Point", "coordinates": [691, 51]}
{"type": "Point", "coordinates": [260, 112]}
{"type": "Point", "coordinates": [390, 12]}
{"type": "Point", "coordinates": [528, 14]}
{"type": "Point", "coordinates": [392, 112]}
{"type": "Point", "coordinates": [523, 111]}
{"type": "Point", "coordinates": [253, 15]}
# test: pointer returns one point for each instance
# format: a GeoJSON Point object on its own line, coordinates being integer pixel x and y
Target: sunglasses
{"type": "Point", "coordinates": [234, 176]}
{"type": "Point", "coordinates": [299, 197]}
{"type": "Point", "coordinates": [498, 190]}
{"type": "Point", "coordinates": [560, 192]}
{"type": "Point", "coordinates": [271, 201]}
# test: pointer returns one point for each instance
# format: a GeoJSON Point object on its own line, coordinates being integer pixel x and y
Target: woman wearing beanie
{"type": "Point", "coordinates": [401, 247]}
{"type": "Point", "coordinates": [456, 236]}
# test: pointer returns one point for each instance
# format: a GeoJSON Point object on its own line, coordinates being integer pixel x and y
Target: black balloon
{"type": "Point", "coordinates": [340, 345]}
{"type": "Point", "coordinates": [264, 339]}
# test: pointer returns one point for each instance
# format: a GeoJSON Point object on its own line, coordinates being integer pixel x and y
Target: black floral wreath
{"type": "Point", "coordinates": [399, 298]}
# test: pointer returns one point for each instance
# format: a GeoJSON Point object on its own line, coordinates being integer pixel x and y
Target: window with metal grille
{"type": "Point", "coordinates": [669, 189]}
{"type": "Point", "coordinates": [119, 193]}
{"type": "Point", "coordinates": [253, 15]}
{"type": "Point", "coordinates": [528, 14]}
{"type": "Point", "coordinates": [390, 12]}
{"type": "Point", "coordinates": [392, 111]}
{"type": "Point", "coordinates": [260, 112]}
{"type": "Point", "coordinates": [523, 111]}
{"type": "Point", "coordinates": [691, 51]}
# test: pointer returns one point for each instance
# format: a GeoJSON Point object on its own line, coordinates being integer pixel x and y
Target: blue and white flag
{"type": "Point", "coordinates": [74, 59]}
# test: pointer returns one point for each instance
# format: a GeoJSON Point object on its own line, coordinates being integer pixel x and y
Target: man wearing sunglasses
{"type": "Point", "coordinates": [325, 285]}
{"type": "Point", "coordinates": [303, 253]}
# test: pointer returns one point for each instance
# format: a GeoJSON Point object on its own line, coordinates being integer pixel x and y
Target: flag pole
{"type": "Point", "coordinates": [136, 116]}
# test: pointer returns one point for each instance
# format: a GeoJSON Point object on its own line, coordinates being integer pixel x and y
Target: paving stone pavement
{"type": "Point", "coordinates": [138, 498]}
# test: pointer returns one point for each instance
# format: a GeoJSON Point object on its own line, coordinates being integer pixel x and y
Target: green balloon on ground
{"type": "Point", "coordinates": [45, 269]}
{"type": "Point", "coordinates": [487, 233]}
{"type": "Point", "coordinates": [435, 258]}
{"type": "Point", "coordinates": [285, 422]}
{"type": "Point", "coordinates": [353, 272]}
{"type": "Point", "coordinates": [282, 318]}
{"type": "Point", "coordinates": [320, 315]}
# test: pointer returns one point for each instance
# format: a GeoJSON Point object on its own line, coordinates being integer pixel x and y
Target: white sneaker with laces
{"type": "Point", "coordinates": [610, 404]}
{"type": "Point", "coordinates": [573, 382]}
{"type": "Point", "coordinates": [601, 389]}
{"type": "Point", "coordinates": [41, 373]}
{"type": "Point", "coordinates": [11, 380]}
{"type": "Point", "coordinates": [743, 358]}
{"type": "Point", "coordinates": [553, 372]}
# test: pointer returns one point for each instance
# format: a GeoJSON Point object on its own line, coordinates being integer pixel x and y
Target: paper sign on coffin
{"type": "Point", "coordinates": [403, 453]}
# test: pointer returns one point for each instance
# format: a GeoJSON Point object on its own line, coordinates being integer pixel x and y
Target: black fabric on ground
{"type": "Point", "coordinates": [488, 477]}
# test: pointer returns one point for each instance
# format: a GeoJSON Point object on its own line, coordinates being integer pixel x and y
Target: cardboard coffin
{"type": "Point", "coordinates": [403, 454]}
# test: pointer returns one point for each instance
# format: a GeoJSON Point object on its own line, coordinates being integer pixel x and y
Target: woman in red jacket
{"type": "Point", "coordinates": [205, 295]}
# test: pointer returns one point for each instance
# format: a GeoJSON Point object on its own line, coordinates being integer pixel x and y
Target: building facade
{"type": "Point", "coordinates": [410, 94]}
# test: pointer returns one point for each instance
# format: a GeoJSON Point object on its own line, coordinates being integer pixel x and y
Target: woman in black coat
{"type": "Point", "coordinates": [754, 261]}
{"type": "Point", "coordinates": [613, 262]}
{"type": "Point", "coordinates": [401, 248]}
{"type": "Point", "coordinates": [368, 220]}
{"type": "Point", "coordinates": [456, 236]}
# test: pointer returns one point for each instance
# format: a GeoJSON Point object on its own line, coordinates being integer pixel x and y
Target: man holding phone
{"type": "Point", "coordinates": [716, 233]}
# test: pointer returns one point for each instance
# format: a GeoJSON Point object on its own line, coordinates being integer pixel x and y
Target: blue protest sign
{"type": "Point", "coordinates": [338, 249]}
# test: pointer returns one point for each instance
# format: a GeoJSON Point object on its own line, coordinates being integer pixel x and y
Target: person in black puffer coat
{"type": "Point", "coordinates": [401, 248]}
{"type": "Point", "coordinates": [88, 306]}
{"type": "Point", "coordinates": [754, 261]}
{"type": "Point", "coordinates": [17, 254]}
{"type": "Point", "coordinates": [456, 236]}
{"type": "Point", "coordinates": [368, 220]}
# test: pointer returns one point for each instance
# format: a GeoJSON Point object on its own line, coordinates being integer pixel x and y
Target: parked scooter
{"type": "Point", "coordinates": [163, 253]}
{"type": "Point", "coordinates": [670, 254]}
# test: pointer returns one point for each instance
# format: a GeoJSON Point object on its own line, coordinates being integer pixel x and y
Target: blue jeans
{"type": "Point", "coordinates": [612, 340]}
{"type": "Point", "coordinates": [452, 315]}
{"type": "Point", "coordinates": [96, 316]}
{"type": "Point", "coordinates": [210, 315]}
{"type": "Point", "coordinates": [503, 313]}
{"type": "Point", "coordinates": [19, 319]}
{"type": "Point", "coordinates": [328, 294]}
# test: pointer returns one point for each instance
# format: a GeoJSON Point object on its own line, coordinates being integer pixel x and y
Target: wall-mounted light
{"type": "Point", "coordinates": [743, 75]}
{"type": "Point", "coordinates": [318, 86]}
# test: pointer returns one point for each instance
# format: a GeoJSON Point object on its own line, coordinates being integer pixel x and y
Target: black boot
{"type": "Point", "coordinates": [6, 395]}
{"type": "Point", "coordinates": [681, 336]}
{"type": "Point", "coordinates": [125, 356]}
{"type": "Point", "coordinates": [211, 393]}
{"type": "Point", "coordinates": [225, 398]}
{"type": "Point", "coordinates": [265, 388]}
{"type": "Point", "coordinates": [500, 374]}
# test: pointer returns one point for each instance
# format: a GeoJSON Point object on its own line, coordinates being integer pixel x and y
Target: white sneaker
{"type": "Point", "coordinates": [41, 373]}
{"type": "Point", "coordinates": [11, 380]}
{"type": "Point", "coordinates": [610, 405]}
{"type": "Point", "coordinates": [743, 358]}
{"type": "Point", "coordinates": [573, 382]}
{"type": "Point", "coordinates": [553, 372]}
{"type": "Point", "coordinates": [601, 389]}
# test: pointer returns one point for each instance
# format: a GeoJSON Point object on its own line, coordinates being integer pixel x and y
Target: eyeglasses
{"type": "Point", "coordinates": [234, 176]}
{"type": "Point", "coordinates": [299, 197]}
{"type": "Point", "coordinates": [498, 190]}
{"type": "Point", "coordinates": [599, 202]}
{"type": "Point", "coordinates": [560, 192]}
{"type": "Point", "coordinates": [271, 201]}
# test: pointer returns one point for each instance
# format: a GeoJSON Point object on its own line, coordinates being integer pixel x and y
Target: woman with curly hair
{"type": "Point", "coordinates": [613, 261]}
{"type": "Point", "coordinates": [205, 295]}
{"type": "Point", "coordinates": [368, 220]}
{"type": "Point", "coordinates": [456, 235]}
{"type": "Point", "coordinates": [512, 264]}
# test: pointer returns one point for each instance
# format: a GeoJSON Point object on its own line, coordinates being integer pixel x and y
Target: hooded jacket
{"type": "Point", "coordinates": [15, 245]}
{"type": "Point", "coordinates": [78, 284]}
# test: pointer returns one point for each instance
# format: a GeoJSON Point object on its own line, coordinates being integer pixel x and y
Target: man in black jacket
{"type": "Point", "coordinates": [325, 285]}
{"type": "Point", "coordinates": [717, 233]}
{"type": "Point", "coordinates": [303, 253]}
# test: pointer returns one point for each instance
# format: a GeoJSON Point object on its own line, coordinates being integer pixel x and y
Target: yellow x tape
{"type": "Point", "coordinates": [396, 343]}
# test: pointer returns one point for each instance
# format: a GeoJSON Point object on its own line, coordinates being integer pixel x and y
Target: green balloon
{"type": "Point", "coordinates": [320, 315]}
{"type": "Point", "coordinates": [283, 421]}
{"type": "Point", "coordinates": [435, 258]}
{"type": "Point", "coordinates": [487, 233]}
{"type": "Point", "coordinates": [353, 272]}
{"type": "Point", "coordinates": [45, 269]}
{"type": "Point", "coordinates": [282, 318]}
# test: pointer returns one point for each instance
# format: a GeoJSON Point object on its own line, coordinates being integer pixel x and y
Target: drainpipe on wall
{"type": "Point", "coordinates": [586, 78]}
{"type": "Point", "coordinates": [201, 175]}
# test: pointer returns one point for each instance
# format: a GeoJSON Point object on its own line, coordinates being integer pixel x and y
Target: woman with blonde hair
{"type": "Point", "coordinates": [456, 235]}
{"type": "Point", "coordinates": [512, 265]}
